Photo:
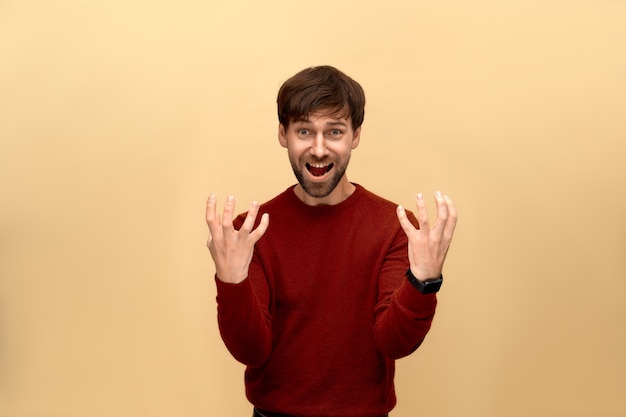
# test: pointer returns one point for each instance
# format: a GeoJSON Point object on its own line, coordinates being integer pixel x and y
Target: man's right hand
{"type": "Point", "coordinates": [230, 249]}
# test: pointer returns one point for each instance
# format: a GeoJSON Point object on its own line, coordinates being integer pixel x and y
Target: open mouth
{"type": "Point", "coordinates": [318, 169]}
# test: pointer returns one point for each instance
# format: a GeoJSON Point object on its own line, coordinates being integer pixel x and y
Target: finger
{"type": "Point", "coordinates": [442, 210]}
{"type": "Point", "coordinates": [210, 208]}
{"type": "Point", "coordinates": [229, 210]}
{"type": "Point", "coordinates": [452, 218]}
{"type": "Point", "coordinates": [422, 213]}
{"type": "Point", "coordinates": [212, 218]}
{"type": "Point", "coordinates": [405, 223]}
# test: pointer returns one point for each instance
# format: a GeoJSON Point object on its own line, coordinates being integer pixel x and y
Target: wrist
{"type": "Point", "coordinates": [230, 278]}
{"type": "Point", "coordinates": [425, 286]}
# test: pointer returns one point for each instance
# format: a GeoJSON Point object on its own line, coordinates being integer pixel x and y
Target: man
{"type": "Point", "coordinates": [319, 304]}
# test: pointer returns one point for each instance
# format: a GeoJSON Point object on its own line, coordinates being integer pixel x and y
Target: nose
{"type": "Point", "coordinates": [318, 147]}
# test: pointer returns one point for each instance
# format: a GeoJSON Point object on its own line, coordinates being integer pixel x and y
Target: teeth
{"type": "Point", "coordinates": [319, 165]}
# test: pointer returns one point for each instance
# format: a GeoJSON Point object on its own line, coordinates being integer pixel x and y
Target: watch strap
{"type": "Point", "coordinates": [425, 287]}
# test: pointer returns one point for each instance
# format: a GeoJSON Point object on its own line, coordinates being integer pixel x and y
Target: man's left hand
{"type": "Point", "coordinates": [428, 245]}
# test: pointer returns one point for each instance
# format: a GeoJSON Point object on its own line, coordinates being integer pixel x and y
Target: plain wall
{"type": "Point", "coordinates": [118, 119]}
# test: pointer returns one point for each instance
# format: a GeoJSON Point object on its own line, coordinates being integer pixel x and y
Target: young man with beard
{"type": "Point", "coordinates": [319, 303]}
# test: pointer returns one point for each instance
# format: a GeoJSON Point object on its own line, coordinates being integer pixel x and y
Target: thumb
{"type": "Point", "coordinates": [405, 223]}
{"type": "Point", "coordinates": [261, 228]}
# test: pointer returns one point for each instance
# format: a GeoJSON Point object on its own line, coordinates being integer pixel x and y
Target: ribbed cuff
{"type": "Point", "coordinates": [422, 305]}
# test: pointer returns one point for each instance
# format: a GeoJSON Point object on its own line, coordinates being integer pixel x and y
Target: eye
{"type": "Point", "coordinates": [335, 133]}
{"type": "Point", "coordinates": [303, 132]}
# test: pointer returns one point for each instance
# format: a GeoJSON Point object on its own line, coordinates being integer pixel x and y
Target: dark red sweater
{"type": "Point", "coordinates": [326, 308]}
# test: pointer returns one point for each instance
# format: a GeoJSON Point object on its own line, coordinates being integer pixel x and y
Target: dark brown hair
{"type": "Point", "coordinates": [323, 88]}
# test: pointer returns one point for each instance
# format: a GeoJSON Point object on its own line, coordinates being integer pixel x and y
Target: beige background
{"type": "Point", "coordinates": [118, 118]}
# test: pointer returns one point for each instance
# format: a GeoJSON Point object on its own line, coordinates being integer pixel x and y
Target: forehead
{"type": "Point", "coordinates": [323, 118]}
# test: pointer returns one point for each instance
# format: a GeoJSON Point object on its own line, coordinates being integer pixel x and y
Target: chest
{"type": "Point", "coordinates": [323, 264]}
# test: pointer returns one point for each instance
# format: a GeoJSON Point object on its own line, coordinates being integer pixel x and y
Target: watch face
{"type": "Point", "coordinates": [430, 287]}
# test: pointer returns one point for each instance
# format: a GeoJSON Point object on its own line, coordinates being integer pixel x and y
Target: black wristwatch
{"type": "Point", "coordinates": [426, 287]}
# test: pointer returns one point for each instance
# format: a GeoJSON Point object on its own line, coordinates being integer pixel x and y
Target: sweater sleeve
{"type": "Point", "coordinates": [403, 314]}
{"type": "Point", "coordinates": [243, 317]}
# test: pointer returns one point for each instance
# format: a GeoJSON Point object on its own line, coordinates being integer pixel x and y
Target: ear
{"type": "Point", "coordinates": [356, 138]}
{"type": "Point", "coordinates": [282, 135]}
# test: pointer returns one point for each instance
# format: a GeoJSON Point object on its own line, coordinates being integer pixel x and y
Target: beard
{"type": "Point", "coordinates": [319, 189]}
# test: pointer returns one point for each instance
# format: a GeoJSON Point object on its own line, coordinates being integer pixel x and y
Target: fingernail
{"type": "Point", "coordinates": [230, 199]}
{"type": "Point", "coordinates": [255, 204]}
{"type": "Point", "coordinates": [438, 194]}
{"type": "Point", "coordinates": [420, 196]}
{"type": "Point", "coordinates": [212, 197]}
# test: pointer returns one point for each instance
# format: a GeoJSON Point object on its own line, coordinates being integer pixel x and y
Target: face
{"type": "Point", "coordinates": [319, 149]}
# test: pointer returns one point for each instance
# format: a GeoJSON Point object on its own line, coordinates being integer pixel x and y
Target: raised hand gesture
{"type": "Point", "coordinates": [230, 249]}
{"type": "Point", "coordinates": [429, 245]}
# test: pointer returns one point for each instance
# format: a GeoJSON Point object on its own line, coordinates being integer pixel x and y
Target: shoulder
{"type": "Point", "coordinates": [379, 207]}
{"type": "Point", "coordinates": [372, 202]}
{"type": "Point", "coordinates": [276, 203]}
{"type": "Point", "coordinates": [372, 198]}
{"type": "Point", "coordinates": [286, 197]}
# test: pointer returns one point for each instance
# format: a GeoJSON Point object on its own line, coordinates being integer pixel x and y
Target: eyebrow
{"type": "Point", "coordinates": [337, 123]}
{"type": "Point", "coordinates": [330, 123]}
